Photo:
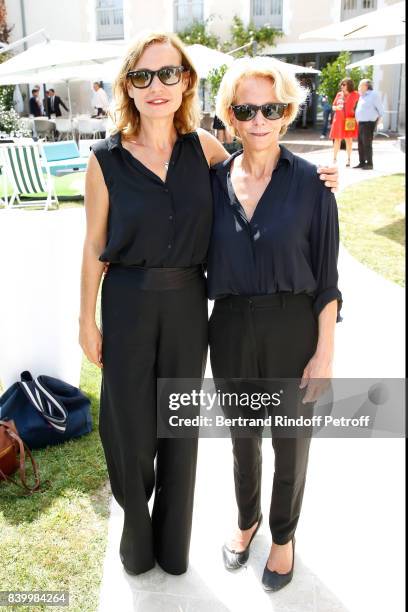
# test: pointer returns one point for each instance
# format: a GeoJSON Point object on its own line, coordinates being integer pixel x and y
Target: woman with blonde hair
{"type": "Point", "coordinates": [272, 270]}
{"type": "Point", "coordinates": [149, 212]}
{"type": "Point", "coordinates": [151, 222]}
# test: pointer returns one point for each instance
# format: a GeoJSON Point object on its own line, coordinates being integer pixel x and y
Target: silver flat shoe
{"type": "Point", "coordinates": [234, 560]}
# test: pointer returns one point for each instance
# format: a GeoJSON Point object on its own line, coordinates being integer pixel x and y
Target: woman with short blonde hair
{"type": "Point", "coordinates": [272, 271]}
{"type": "Point", "coordinates": [287, 87]}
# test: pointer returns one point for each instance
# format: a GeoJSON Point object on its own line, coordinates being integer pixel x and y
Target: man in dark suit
{"type": "Point", "coordinates": [35, 105]}
{"type": "Point", "coordinates": [53, 104]}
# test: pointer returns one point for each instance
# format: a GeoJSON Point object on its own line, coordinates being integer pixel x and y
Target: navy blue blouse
{"type": "Point", "coordinates": [290, 244]}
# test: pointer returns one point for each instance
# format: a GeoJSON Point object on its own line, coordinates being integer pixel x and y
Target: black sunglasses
{"type": "Point", "coordinates": [246, 112]}
{"type": "Point", "coordinates": [168, 75]}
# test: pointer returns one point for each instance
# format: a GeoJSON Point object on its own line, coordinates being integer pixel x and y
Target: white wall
{"type": "Point", "coordinates": [148, 14]}
{"type": "Point", "coordinates": [61, 19]}
{"type": "Point", "coordinates": [221, 13]}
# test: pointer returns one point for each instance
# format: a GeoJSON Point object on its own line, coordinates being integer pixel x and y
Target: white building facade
{"type": "Point", "coordinates": [83, 20]}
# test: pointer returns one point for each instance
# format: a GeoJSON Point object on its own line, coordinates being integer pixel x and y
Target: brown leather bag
{"type": "Point", "coordinates": [10, 446]}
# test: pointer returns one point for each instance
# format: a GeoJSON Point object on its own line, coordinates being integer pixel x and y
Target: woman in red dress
{"type": "Point", "coordinates": [344, 105]}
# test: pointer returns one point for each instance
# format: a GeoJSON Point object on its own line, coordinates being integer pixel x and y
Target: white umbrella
{"type": "Point", "coordinates": [53, 53]}
{"type": "Point", "coordinates": [396, 55]}
{"type": "Point", "coordinates": [301, 69]}
{"type": "Point", "coordinates": [295, 68]}
{"type": "Point", "coordinates": [83, 72]}
{"type": "Point", "coordinates": [388, 21]}
{"type": "Point", "coordinates": [205, 59]}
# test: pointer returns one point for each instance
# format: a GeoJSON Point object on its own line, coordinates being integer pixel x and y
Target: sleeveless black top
{"type": "Point", "coordinates": [152, 223]}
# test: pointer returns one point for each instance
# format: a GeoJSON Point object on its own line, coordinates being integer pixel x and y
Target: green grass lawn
{"type": "Point", "coordinates": [70, 189]}
{"type": "Point", "coordinates": [56, 539]}
{"type": "Point", "coordinates": [371, 226]}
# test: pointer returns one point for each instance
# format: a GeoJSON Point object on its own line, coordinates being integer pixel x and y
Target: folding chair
{"type": "Point", "coordinates": [28, 174]}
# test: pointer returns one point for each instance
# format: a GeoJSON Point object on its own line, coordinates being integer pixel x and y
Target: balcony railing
{"type": "Point", "coordinates": [265, 12]}
{"type": "Point", "coordinates": [186, 12]}
{"type": "Point", "coordinates": [353, 8]}
{"type": "Point", "coordinates": [109, 23]}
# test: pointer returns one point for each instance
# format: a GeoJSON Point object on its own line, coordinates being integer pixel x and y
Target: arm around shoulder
{"type": "Point", "coordinates": [213, 149]}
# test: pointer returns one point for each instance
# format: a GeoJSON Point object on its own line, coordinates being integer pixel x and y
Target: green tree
{"type": "Point", "coordinates": [198, 33]}
{"type": "Point", "coordinates": [214, 79]}
{"type": "Point", "coordinates": [242, 35]}
{"type": "Point", "coordinates": [335, 71]}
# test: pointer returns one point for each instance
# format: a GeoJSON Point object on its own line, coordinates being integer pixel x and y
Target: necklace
{"type": "Point", "coordinates": [165, 164]}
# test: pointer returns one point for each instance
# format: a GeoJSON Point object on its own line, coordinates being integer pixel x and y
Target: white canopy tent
{"type": "Point", "coordinates": [65, 74]}
{"type": "Point", "coordinates": [57, 53]}
{"type": "Point", "coordinates": [62, 61]}
{"type": "Point", "coordinates": [396, 55]}
{"type": "Point", "coordinates": [206, 59]}
{"type": "Point", "coordinates": [387, 21]}
{"type": "Point", "coordinates": [298, 69]}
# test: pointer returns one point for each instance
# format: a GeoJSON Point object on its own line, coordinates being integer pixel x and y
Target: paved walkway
{"type": "Point", "coordinates": [347, 557]}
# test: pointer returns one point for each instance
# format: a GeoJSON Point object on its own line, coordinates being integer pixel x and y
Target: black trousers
{"type": "Point", "coordinates": [271, 336]}
{"type": "Point", "coordinates": [154, 324]}
{"type": "Point", "coordinates": [365, 142]}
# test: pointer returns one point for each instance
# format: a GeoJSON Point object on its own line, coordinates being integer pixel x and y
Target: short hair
{"type": "Point", "coordinates": [34, 90]}
{"type": "Point", "coordinates": [51, 89]}
{"type": "Point", "coordinates": [98, 83]}
{"type": "Point", "coordinates": [287, 87]}
{"type": "Point", "coordinates": [367, 82]}
{"type": "Point", "coordinates": [125, 116]}
{"type": "Point", "coordinates": [349, 83]}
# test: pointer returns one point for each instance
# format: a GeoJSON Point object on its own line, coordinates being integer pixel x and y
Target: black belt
{"type": "Point", "coordinates": [243, 302]}
{"type": "Point", "coordinates": [159, 279]}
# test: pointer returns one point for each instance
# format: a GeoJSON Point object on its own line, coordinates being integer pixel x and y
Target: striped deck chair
{"type": "Point", "coordinates": [28, 174]}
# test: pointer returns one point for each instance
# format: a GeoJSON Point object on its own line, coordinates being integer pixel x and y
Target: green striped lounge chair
{"type": "Point", "coordinates": [29, 174]}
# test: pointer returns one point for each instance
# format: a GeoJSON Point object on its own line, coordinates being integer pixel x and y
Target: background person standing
{"type": "Point", "coordinates": [35, 106]}
{"type": "Point", "coordinates": [344, 125]}
{"type": "Point", "coordinates": [327, 113]}
{"type": "Point", "coordinates": [53, 104]}
{"type": "Point", "coordinates": [369, 113]}
{"type": "Point", "coordinates": [100, 100]}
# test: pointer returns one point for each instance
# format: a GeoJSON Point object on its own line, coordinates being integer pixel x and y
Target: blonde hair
{"type": "Point", "coordinates": [287, 87]}
{"type": "Point", "coordinates": [124, 114]}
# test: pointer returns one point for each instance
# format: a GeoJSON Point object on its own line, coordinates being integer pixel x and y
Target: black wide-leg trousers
{"type": "Point", "coordinates": [271, 336]}
{"type": "Point", "coordinates": [154, 325]}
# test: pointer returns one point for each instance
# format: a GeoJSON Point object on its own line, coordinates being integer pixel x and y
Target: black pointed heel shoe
{"type": "Point", "coordinates": [234, 560]}
{"type": "Point", "coordinates": [272, 581]}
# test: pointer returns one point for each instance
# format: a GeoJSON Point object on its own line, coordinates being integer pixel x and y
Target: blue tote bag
{"type": "Point", "coordinates": [46, 410]}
